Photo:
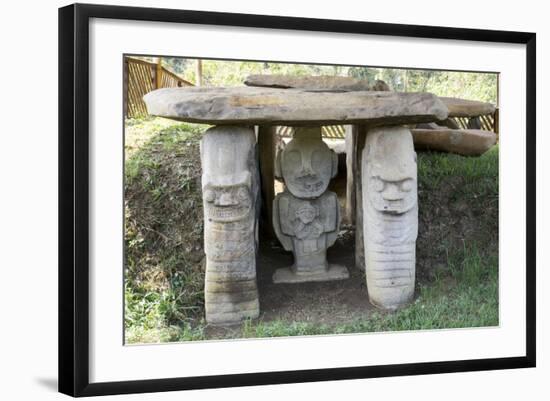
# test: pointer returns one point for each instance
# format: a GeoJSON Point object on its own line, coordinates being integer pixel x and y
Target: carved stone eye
{"type": "Point", "coordinates": [209, 195]}
{"type": "Point", "coordinates": [377, 184]}
{"type": "Point", "coordinates": [242, 193]}
{"type": "Point", "coordinates": [407, 185]}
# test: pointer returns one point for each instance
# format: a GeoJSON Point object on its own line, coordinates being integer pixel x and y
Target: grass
{"type": "Point", "coordinates": [457, 256]}
{"type": "Point", "coordinates": [163, 230]}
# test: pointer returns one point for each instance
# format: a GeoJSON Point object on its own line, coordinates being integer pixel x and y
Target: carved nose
{"type": "Point", "coordinates": [226, 199]}
{"type": "Point", "coordinates": [306, 173]}
{"type": "Point", "coordinates": [392, 193]}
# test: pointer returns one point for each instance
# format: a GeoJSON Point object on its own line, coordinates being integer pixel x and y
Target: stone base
{"type": "Point", "coordinates": [390, 307]}
{"type": "Point", "coordinates": [334, 272]}
{"type": "Point", "coordinates": [232, 318]}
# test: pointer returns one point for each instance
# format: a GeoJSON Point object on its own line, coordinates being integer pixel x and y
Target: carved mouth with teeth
{"type": "Point", "coordinates": [394, 197]}
{"type": "Point", "coordinates": [393, 206]}
{"type": "Point", "coordinates": [226, 203]}
{"type": "Point", "coordinates": [226, 214]}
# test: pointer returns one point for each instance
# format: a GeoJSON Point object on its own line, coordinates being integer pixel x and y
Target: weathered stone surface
{"type": "Point", "coordinates": [307, 164]}
{"type": "Point", "coordinates": [428, 126]}
{"type": "Point", "coordinates": [248, 106]}
{"type": "Point", "coordinates": [351, 172]}
{"type": "Point", "coordinates": [267, 145]}
{"type": "Point", "coordinates": [325, 83]}
{"type": "Point", "coordinates": [230, 196]}
{"type": "Point", "coordinates": [390, 211]}
{"type": "Point", "coordinates": [468, 142]}
{"type": "Point", "coordinates": [306, 217]}
{"type": "Point", "coordinates": [332, 273]}
{"type": "Point", "coordinates": [467, 108]}
{"type": "Point", "coordinates": [359, 243]}
{"type": "Point", "coordinates": [449, 123]}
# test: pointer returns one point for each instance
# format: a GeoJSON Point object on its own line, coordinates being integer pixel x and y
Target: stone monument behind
{"type": "Point", "coordinates": [306, 217]}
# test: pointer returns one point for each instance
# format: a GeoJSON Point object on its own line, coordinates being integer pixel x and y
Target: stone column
{"type": "Point", "coordinates": [230, 187]}
{"type": "Point", "coordinates": [360, 133]}
{"type": "Point", "coordinates": [351, 172]}
{"type": "Point", "coordinates": [390, 215]}
{"type": "Point", "coordinates": [267, 143]}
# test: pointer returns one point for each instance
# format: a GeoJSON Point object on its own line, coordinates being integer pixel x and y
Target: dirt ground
{"type": "Point", "coordinates": [330, 302]}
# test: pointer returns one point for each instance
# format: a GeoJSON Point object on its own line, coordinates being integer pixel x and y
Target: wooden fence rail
{"type": "Point", "coordinates": [487, 122]}
{"type": "Point", "coordinates": [141, 77]}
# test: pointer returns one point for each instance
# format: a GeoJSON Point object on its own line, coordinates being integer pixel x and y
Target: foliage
{"type": "Point", "coordinates": [234, 73]}
{"type": "Point", "coordinates": [467, 85]}
{"type": "Point", "coordinates": [164, 271]}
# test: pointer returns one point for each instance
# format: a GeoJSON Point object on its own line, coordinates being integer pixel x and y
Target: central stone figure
{"type": "Point", "coordinates": [306, 217]}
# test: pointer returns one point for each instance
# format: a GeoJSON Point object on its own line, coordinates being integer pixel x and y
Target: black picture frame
{"type": "Point", "coordinates": [74, 198]}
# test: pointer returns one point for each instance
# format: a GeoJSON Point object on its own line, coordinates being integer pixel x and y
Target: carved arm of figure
{"type": "Point", "coordinates": [331, 221]}
{"type": "Point", "coordinates": [281, 224]}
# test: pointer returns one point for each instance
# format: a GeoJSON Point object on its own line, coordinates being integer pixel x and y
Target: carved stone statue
{"type": "Point", "coordinates": [306, 217]}
{"type": "Point", "coordinates": [230, 196]}
{"type": "Point", "coordinates": [390, 210]}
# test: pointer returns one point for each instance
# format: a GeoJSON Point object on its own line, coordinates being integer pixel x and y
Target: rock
{"type": "Point", "coordinates": [230, 186]}
{"type": "Point", "coordinates": [463, 142]}
{"type": "Point", "coordinates": [428, 126]}
{"type": "Point", "coordinates": [325, 83]}
{"type": "Point", "coordinates": [380, 86]}
{"type": "Point", "coordinates": [449, 123]}
{"type": "Point", "coordinates": [390, 215]}
{"type": "Point", "coordinates": [244, 105]}
{"type": "Point", "coordinates": [306, 217]}
{"type": "Point", "coordinates": [467, 108]}
{"type": "Point", "coordinates": [361, 134]}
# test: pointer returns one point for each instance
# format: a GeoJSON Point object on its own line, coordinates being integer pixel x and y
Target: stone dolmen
{"type": "Point", "coordinates": [305, 217]}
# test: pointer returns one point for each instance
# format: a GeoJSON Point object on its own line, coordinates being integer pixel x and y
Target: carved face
{"type": "Point", "coordinates": [307, 213]}
{"type": "Point", "coordinates": [229, 175]}
{"type": "Point", "coordinates": [395, 196]}
{"type": "Point", "coordinates": [391, 170]}
{"type": "Point", "coordinates": [307, 165]}
{"type": "Point", "coordinates": [227, 202]}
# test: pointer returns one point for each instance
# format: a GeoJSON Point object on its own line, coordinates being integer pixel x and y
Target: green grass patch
{"type": "Point", "coordinates": [466, 298]}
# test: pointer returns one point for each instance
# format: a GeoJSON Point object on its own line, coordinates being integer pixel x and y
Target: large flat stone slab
{"type": "Point", "coordinates": [467, 142]}
{"type": "Point", "coordinates": [457, 107]}
{"type": "Point", "coordinates": [248, 105]}
{"type": "Point", "coordinates": [325, 83]}
{"type": "Point", "coordinates": [467, 108]}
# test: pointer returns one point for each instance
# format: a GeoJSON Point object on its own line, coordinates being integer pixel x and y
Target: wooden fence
{"type": "Point", "coordinates": [484, 122]}
{"type": "Point", "coordinates": [328, 131]}
{"type": "Point", "coordinates": [487, 122]}
{"type": "Point", "coordinates": [141, 77]}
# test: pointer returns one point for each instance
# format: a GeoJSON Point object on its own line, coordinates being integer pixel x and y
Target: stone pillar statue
{"type": "Point", "coordinates": [306, 217]}
{"type": "Point", "coordinates": [230, 195]}
{"type": "Point", "coordinates": [390, 215]}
